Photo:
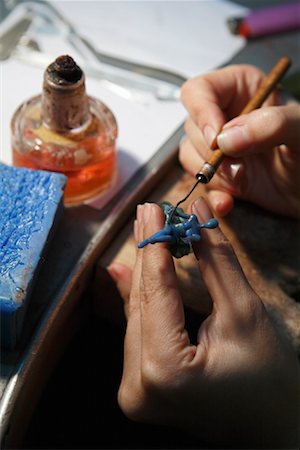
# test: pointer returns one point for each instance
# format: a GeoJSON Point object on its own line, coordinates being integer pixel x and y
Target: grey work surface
{"type": "Point", "coordinates": [83, 235]}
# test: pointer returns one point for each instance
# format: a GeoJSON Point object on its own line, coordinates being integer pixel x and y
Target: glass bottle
{"type": "Point", "coordinates": [65, 130]}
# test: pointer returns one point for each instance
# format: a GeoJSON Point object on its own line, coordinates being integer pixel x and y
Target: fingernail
{"type": "Point", "coordinates": [113, 272]}
{"type": "Point", "coordinates": [198, 203]}
{"type": "Point", "coordinates": [209, 134]}
{"type": "Point", "coordinates": [135, 230]}
{"type": "Point", "coordinates": [219, 206]}
{"type": "Point", "coordinates": [234, 170]}
{"type": "Point", "coordinates": [202, 210]}
{"type": "Point", "coordinates": [233, 138]}
{"type": "Point", "coordinates": [146, 212]}
{"type": "Point", "coordinates": [139, 210]}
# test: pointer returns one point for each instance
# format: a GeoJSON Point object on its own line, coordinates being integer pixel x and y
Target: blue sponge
{"type": "Point", "coordinates": [30, 202]}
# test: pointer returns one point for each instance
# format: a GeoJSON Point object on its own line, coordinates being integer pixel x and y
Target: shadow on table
{"type": "Point", "coordinates": [79, 410]}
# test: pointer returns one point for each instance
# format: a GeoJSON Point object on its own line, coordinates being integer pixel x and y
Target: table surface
{"type": "Point", "coordinates": [83, 237]}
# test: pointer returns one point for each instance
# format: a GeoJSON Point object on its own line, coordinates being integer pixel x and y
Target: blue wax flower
{"type": "Point", "coordinates": [180, 230]}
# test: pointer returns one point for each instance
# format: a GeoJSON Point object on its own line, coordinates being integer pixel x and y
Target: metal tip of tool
{"type": "Point", "coordinates": [202, 178]}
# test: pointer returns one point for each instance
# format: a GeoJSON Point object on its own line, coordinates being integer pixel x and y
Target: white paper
{"type": "Point", "coordinates": [187, 37]}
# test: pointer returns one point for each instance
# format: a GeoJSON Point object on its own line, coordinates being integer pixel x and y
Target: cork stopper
{"type": "Point", "coordinates": [64, 100]}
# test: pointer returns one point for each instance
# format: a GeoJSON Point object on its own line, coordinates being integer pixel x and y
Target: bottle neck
{"type": "Point", "coordinates": [65, 106]}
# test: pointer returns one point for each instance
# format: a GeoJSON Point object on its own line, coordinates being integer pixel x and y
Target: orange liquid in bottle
{"type": "Point", "coordinates": [82, 184]}
{"type": "Point", "coordinates": [64, 130]}
{"type": "Point", "coordinates": [87, 159]}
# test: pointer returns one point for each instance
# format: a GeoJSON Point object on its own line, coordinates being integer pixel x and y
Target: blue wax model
{"type": "Point", "coordinates": [180, 230]}
{"type": "Point", "coordinates": [30, 202]}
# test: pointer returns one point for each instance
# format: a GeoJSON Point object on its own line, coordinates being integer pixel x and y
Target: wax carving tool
{"type": "Point", "coordinates": [210, 167]}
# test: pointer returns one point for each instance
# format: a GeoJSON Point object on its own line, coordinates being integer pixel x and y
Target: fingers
{"type": "Point", "coordinates": [155, 342]}
{"type": "Point", "coordinates": [162, 311]}
{"type": "Point", "coordinates": [261, 130]}
{"type": "Point", "coordinates": [190, 158]}
{"type": "Point", "coordinates": [232, 296]}
{"type": "Point", "coordinates": [122, 276]}
{"type": "Point", "coordinates": [131, 379]}
{"type": "Point", "coordinates": [220, 201]}
{"type": "Point", "coordinates": [221, 189]}
{"type": "Point", "coordinates": [218, 96]}
{"type": "Point", "coordinates": [208, 117]}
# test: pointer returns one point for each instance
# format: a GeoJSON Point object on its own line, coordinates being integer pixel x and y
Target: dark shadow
{"type": "Point", "coordinates": [79, 408]}
{"type": "Point", "coordinates": [271, 242]}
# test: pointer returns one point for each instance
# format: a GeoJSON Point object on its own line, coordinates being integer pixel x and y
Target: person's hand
{"type": "Point", "coordinates": [238, 384]}
{"type": "Point", "coordinates": [262, 147]}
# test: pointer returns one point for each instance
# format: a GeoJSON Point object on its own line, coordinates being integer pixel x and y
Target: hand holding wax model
{"type": "Point", "coordinates": [238, 384]}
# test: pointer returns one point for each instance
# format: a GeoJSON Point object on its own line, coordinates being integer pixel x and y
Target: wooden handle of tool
{"type": "Point", "coordinates": [269, 84]}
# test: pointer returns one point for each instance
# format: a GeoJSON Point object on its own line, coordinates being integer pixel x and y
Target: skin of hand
{"type": "Point", "coordinates": [239, 384]}
{"type": "Point", "coordinates": [262, 147]}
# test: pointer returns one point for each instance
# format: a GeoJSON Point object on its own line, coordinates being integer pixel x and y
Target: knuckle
{"type": "Point", "coordinates": [190, 92]}
{"type": "Point", "coordinates": [249, 315]}
{"type": "Point", "coordinates": [156, 377]}
{"type": "Point", "coordinates": [150, 375]}
{"type": "Point", "coordinates": [131, 401]}
{"type": "Point", "coordinates": [138, 397]}
{"type": "Point", "coordinates": [184, 141]}
{"type": "Point", "coordinates": [182, 156]}
{"type": "Point", "coordinates": [187, 89]}
{"type": "Point", "coordinates": [273, 120]}
{"type": "Point", "coordinates": [275, 117]}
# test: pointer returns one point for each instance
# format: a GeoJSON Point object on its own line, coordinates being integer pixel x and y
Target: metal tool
{"type": "Point", "coordinates": [130, 80]}
{"type": "Point", "coordinates": [12, 35]}
{"type": "Point", "coordinates": [163, 84]}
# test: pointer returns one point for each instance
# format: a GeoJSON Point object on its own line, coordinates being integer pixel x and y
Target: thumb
{"type": "Point", "coordinates": [261, 129]}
